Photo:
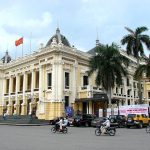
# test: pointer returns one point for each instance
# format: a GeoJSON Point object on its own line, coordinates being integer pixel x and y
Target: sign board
{"type": "Point", "coordinates": [133, 109]}
{"type": "Point", "coordinates": [69, 111]}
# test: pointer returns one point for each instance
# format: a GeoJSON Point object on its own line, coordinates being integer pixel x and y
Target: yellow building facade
{"type": "Point", "coordinates": [54, 77]}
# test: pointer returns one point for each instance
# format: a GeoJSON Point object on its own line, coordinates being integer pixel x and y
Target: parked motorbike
{"type": "Point", "coordinates": [56, 128]}
{"type": "Point", "coordinates": [110, 131]}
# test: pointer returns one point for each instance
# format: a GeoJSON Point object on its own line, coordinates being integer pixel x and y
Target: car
{"type": "Point", "coordinates": [117, 120]}
{"type": "Point", "coordinates": [97, 121]}
{"type": "Point", "coordinates": [83, 120]}
{"type": "Point", "coordinates": [137, 120]}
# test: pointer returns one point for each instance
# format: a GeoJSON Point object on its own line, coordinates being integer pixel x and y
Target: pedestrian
{"type": "Point", "coordinates": [5, 115]}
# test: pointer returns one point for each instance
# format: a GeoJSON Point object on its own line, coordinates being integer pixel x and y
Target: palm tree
{"type": "Point", "coordinates": [135, 40]}
{"type": "Point", "coordinates": [143, 69]}
{"type": "Point", "coordinates": [109, 66]}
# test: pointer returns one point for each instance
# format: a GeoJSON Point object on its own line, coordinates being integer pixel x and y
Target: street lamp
{"type": "Point", "coordinates": [118, 106]}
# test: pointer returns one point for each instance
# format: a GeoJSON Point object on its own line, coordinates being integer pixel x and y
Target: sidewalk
{"type": "Point", "coordinates": [13, 124]}
{"type": "Point", "coordinates": [25, 120]}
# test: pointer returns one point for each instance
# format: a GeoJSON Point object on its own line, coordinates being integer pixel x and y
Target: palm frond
{"type": "Point", "coordinates": [130, 30]}
{"type": "Point", "coordinates": [139, 30]}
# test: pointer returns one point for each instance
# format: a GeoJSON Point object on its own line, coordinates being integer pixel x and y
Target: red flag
{"type": "Point", "coordinates": [19, 41]}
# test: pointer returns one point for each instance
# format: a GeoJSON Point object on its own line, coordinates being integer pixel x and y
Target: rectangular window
{"type": "Point", "coordinates": [14, 85]}
{"type": "Point", "coordinates": [85, 81]}
{"type": "Point", "coordinates": [37, 79]}
{"type": "Point", "coordinates": [29, 80]}
{"type": "Point", "coordinates": [134, 94]}
{"type": "Point", "coordinates": [7, 85]}
{"type": "Point", "coordinates": [66, 101]}
{"type": "Point", "coordinates": [116, 90]}
{"type": "Point", "coordinates": [66, 80]}
{"type": "Point", "coordinates": [121, 90]}
{"type": "Point", "coordinates": [148, 95]}
{"type": "Point", "coordinates": [21, 83]}
{"type": "Point", "coordinates": [49, 80]}
{"type": "Point", "coordinates": [128, 82]}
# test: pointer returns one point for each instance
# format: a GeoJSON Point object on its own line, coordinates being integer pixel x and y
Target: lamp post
{"type": "Point", "coordinates": [118, 107]}
{"type": "Point", "coordinates": [63, 102]}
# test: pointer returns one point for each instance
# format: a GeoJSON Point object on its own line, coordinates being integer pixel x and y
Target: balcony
{"type": "Point", "coordinates": [27, 91]}
{"type": "Point", "coordinates": [20, 92]}
{"type": "Point", "coordinates": [88, 91]}
{"type": "Point", "coordinates": [6, 94]}
{"type": "Point", "coordinates": [89, 88]}
{"type": "Point", "coordinates": [117, 95]}
{"type": "Point", "coordinates": [36, 89]}
{"type": "Point", "coordinates": [13, 93]}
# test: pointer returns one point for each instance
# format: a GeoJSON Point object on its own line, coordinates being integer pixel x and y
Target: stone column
{"type": "Point", "coordinates": [60, 81]}
{"type": "Point", "coordinates": [9, 106]}
{"type": "Point", "coordinates": [16, 106]}
{"type": "Point", "coordinates": [41, 83]}
{"type": "Point", "coordinates": [33, 81]}
{"type": "Point", "coordinates": [3, 89]}
{"type": "Point", "coordinates": [125, 87]}
{"type": "Point", "coordinates": [24, 104]}
{"type": "Point", "coordinates": [74, 82]}
{"type": "Point", "coordinates": [90, 107]}
{"type": "Point", "coordinates": [54, 81]}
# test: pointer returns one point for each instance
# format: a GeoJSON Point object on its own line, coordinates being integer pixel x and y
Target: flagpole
{"type": "Point", "coordinates": [16, 53]}
{"type": "Point", "coordinates": [22, 49]}
{"type": "Point", "coordinates": [30, 41]}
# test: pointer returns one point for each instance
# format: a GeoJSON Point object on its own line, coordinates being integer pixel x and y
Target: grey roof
{"type": "Point", "coordinates": [93, 50]}
{"type": "Point", "coordinates": [59, 38]}
{"type": "Point", "coordinates": [6, 58]}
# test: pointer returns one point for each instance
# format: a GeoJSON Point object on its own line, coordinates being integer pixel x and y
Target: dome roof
{"type": "Point", "coordinates": [6, 58]}
{"type": "Point", "coordinates": [93, 50]}
{"type": "Point", "coordinates": [59, 39]}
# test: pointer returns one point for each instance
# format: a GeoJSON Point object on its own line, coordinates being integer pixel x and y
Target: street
{"type": "Point", "coordinates": [41, 138]}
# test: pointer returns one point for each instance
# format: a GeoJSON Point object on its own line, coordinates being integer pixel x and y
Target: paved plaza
{"type": "Point", "coordinates": [41, 138]}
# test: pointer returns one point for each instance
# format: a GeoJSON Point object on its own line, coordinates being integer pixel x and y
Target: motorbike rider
{"type": "Point", "coordinates": [105, 125]}
{"type": "Point", "coordinates": [65, 123]}
{"type": "Point", "coordinates": [60, 122]}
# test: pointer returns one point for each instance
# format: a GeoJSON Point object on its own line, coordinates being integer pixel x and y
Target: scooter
{"type": "Point", "coordinates": [110, 131]}
{"type": "Point", "coordinates": [56, 128]}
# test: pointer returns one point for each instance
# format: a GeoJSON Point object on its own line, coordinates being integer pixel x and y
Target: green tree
{"type": "Point", "coordinates": [143, 69]}
{"type": "Point", "coordinates": [134, 41]}
{"type": "Point", "coordinates": [109, 66]}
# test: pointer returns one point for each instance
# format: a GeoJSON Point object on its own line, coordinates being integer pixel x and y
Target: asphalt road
{"type": "Point", "coordinates": [41, 138]}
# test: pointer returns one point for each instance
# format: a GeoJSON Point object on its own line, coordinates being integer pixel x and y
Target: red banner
{"type": "Point", "coordinates": [19, 41]}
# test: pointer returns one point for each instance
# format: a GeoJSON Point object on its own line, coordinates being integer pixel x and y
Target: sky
{"type": "Point", "coordinates": [80, 21]}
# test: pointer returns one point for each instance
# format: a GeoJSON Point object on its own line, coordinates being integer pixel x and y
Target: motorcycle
{"type": "Point", "coordinates": [56, 128]}
{"type": "Point", "coordinates": [110, 131]}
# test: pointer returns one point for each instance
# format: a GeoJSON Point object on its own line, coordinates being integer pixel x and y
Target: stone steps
{"type": "Point", "coordinates": [22, 119]}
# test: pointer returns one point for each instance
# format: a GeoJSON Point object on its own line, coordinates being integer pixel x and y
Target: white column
{"type": "Point", "coordinates": [74, 82]}
{"type": "Point", "coordinates": [17, 88]}
{"type": "Point", "coordinates": [132, 90]}
{"type": "Point", "coordinates": [125, 89]}
{"type": "Point", "coordinates": [90, 107]}
{"type": "Point", "coordinates": [60, 81]}
{"type": "Point", "coordinates": [54, 81]}
{"type": "Point", "coordinates": [40, 83]}
{"type": "Point", "coordinates": [24, 86]}
{"type": "Point", "coordinates": [10, 89]}
{"type": "Point", "coordinates": [3, 87]}
{"type": "Point", "coordinates": [33, 82]}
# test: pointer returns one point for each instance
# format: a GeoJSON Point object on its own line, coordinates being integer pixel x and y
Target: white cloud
{"type": "Point", "coordinates": [13, 25]}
